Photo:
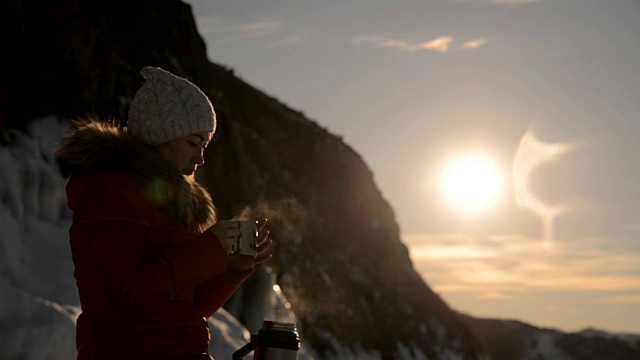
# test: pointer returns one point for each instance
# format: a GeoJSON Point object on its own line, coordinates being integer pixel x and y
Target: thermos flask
{"type": "Point", "coordinates": [275, 341]}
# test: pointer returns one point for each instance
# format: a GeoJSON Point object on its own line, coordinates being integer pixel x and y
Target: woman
{"type": "Point", "coordinates": [149, 263]}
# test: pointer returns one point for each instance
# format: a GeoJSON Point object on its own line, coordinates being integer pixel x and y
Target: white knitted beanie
{"type": "Point", "coordinates": [168, 107]}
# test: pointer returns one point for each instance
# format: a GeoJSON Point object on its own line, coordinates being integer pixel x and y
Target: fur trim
{"type": "Point", "coordinates": [99, 146]}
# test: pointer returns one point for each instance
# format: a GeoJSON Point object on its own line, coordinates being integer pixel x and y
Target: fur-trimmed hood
{"type": "Point", "coordinates": [96, 146]}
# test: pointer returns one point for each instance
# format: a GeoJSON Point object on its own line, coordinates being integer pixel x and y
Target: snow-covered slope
{"type": "Point", "coordinates": [39, 303]}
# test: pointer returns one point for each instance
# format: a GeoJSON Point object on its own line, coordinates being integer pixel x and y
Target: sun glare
{"type": "Point", "coordinates": [471, 183]}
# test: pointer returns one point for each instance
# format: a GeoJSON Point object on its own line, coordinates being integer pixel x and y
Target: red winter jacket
{"type": "Point", "coordinates": [148, 275]}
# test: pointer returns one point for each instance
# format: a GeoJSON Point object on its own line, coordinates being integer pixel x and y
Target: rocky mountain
{"type": "Point", "coordinates": [339, 261]}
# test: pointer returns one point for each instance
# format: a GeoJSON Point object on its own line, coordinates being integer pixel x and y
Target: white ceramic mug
{"type": "Point", "coordinates": [246, 243]}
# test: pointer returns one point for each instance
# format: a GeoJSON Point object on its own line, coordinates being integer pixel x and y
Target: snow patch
{"type": "Point", "coordinates": [546, 347]}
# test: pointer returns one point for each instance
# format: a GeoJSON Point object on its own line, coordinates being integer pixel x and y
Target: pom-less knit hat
{"type": "Point", "coordinates": [168, 107]}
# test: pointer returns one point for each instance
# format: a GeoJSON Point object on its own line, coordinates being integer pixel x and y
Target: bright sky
{"type": "Point", "coordinates": [546, 91]}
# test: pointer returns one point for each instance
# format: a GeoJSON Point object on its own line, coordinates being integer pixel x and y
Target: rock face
{"type": "Point", "coordinates": [338, 257]}
{"type": "Point", "coordinates": [81, 57]}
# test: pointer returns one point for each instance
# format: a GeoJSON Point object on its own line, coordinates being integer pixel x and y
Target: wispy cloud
{"type": "Point", "coordinates": [621, 299]}
{"type": "Point", "coordinates": [498, 2]}
{"type": "Point", "coordinates": [441, 44]}
{"type": "Point", "coordinates": [513, 2]}
{"type": "Point", "coordinates": [381, 42]}
{"type": "Point", "coordinates": [229, 32]}
{"type": "Point", "coordinates": [288, 40]}
{"type": "Point", "coordinates": [474, 44]}
{"type": "Point", "coordinates": [497, 267]}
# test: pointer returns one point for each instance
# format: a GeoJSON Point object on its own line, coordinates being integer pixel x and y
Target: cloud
{"type": "Point", "coordinates": [498, 267]}
{"type": "Point", "coordinates": [381, 42]}
{"type": "Point", "coordinates": [498, 2]}
{"type": "Point", "coordinates": [513, 2]}
{"type": "Point", "coordinates": [229, 32]}
{"type": "Point", "coordinates": [288, 40]}
{"type": "Point", "coordinates": [474, 44]}
{"type": "Point", "coordinates": [494, 295]}
{"type": "Point", "coordinates": [223, 31]}
{"type": "Point", "coordinates": [450, 252]}
{"type": "Point", "coordinates": [621, 299]}
{"type": "Point", "coordinates": [399, 44]}
{"type": "Point", "coordinates": [440, 44]}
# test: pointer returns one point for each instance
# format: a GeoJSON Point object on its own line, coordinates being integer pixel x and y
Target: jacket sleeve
{"type": "Point", "coordinates": [111, 231]}
{"type": "Point", "coordinates": [116, 263]}
{"type": "Point", "coordinates": [197, 260]}
{"type": "Point", "coordinates": [210, 296]}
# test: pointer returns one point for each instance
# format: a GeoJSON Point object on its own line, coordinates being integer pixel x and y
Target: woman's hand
{"type": "Point", "coordinates": [241, 263]}
{"type": "Point", "coordinates": [226, 232]}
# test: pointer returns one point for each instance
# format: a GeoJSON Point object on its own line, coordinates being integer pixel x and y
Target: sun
{"type": "Point", "coordinates": [471, 183]}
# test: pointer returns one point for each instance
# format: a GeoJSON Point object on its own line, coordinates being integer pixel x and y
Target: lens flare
{"type": "Point", "coordinates": [531, 154]}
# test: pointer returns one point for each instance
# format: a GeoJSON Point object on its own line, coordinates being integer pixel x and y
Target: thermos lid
{"type": "Point", "coordinates": [278, 335]}
{"type": "Point", "coordinates": [279, 326]}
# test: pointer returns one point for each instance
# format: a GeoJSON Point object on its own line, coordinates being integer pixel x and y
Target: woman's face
{"type": "Point", "coordinates": [186, 153]}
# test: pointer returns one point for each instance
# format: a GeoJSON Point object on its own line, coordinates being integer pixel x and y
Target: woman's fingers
{"type": "Point", "coordinates": [261, 223]}
{"type": "Point", "coordinates": [262, 237]}
{"type": "Point", "coordinates": [264, 246]}
{"type": "Point", "coordinates": [262, 258]}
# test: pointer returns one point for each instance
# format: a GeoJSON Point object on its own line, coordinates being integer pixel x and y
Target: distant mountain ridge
{"type": "Point", "coordinates": [338, 256]}
{"type": "Point", "coordinates": [508, 339]}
